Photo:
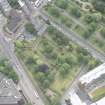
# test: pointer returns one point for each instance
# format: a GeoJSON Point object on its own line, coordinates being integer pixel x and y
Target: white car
{"type": "Point", "coordinates": [36, 94]}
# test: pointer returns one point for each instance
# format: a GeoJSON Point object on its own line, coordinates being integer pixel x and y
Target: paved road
{"type": "Point", "coordinates": [25, 82]}
{"type": "Point", "coordinates": [38, 24]}
{"type": "Point", "coordinates": [95, 53]}
{"type": "Point", "coordinates": [73, 86]}
{"type": "Point", "coordinates": [77, 21]}
{"type": "Point", "coordinates": [80, 41]}
{"type": "Point", "coordinates": [76, 38]}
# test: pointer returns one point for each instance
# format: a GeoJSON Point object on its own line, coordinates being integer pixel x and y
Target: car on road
{"type": "Point", "coordinates": [36, 94]}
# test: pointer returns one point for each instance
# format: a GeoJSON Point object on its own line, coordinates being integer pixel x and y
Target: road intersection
{"type": "Point", "coordinates": [25, 82]}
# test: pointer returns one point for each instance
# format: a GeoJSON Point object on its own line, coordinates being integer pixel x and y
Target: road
{"type": "Point", "coordinates": [76, 20]}
{"type": "Point", "coordinates": [84, 44]}
{"type": "Point", "coordinates": [25, 82]}
{"type": "Point", "coordinates": [70, 34]}
{"type": "Point", "coordinates": [38, 23]}
{"type": "Point", "coordinates": [73, 86]}
{"type": "Point", "coordinates": [27, 86]}
{"type": "Point", "coordinates": [76, 38]}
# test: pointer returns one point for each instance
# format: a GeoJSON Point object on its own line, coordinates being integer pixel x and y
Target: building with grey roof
{"type": "Point", "coordinates": [94, 78]}
{"type": "Point", "coordinates": [9, 94]}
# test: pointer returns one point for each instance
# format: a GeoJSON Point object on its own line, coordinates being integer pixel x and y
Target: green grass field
{"type": "Point", "coordinates": [98, 93]}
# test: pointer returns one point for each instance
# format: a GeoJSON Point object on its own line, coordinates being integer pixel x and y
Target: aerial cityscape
{"type": "Point", "coordinates": [52, 52]}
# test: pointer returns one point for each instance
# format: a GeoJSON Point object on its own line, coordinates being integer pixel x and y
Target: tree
{"type": "Point", "coordinates": [7, 69]}
{"type": "Point", "coordinates": [13, 3]}
{"type": "Point", "coordinates": [86, 34]}
{"type": "Point", "coordinates": [60, 60]}
{"type": "Point", "coordinates": [62, 3]}
{"type": "Point", "coordinates": [46, 83]}
{"type": "Point", "coordinates": [53, 11]}
{"type": "Point", "coordinates": [13, 75]}
{"type": "Point", "coordinates": [48, 49]}
{"type": "Point", "coordinates": [75, 11]}
{"type": "Point", "coordinates": [30, 60]}
{"type": "Point", "coordinates": [82, 51]}
{"type": "Point", "coordinates": [40, 77]}
{"type": "Point", "coordinates": [71, 60]}
{"type": "Point", "coordinates": [50, 29]}
{"type": "Point", "coordinates": [92, 27]}
{"type": "Point", "coordinates": [97, 17]}
{"type": "Point", "coordinates": [30, 28]}
{"type": "Point", "coordinates": [66, 21]}
{"type": "Point", "coordinates": [88, 18]}
{"type": "Point", "coordinates": [50, 77]}
{"type": "Point", "coordinates": [64, 69]}
{"type": "Point", "coordinates": [43, 68]}
{"type": "Point", "coordinates": [103, 32]}
{"type": "Point", "coordinates": [53, 55]}
{"type": "Point", "coordinates": [80, 58]}
{"type": "Point", "coordinates": [92, 64]}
